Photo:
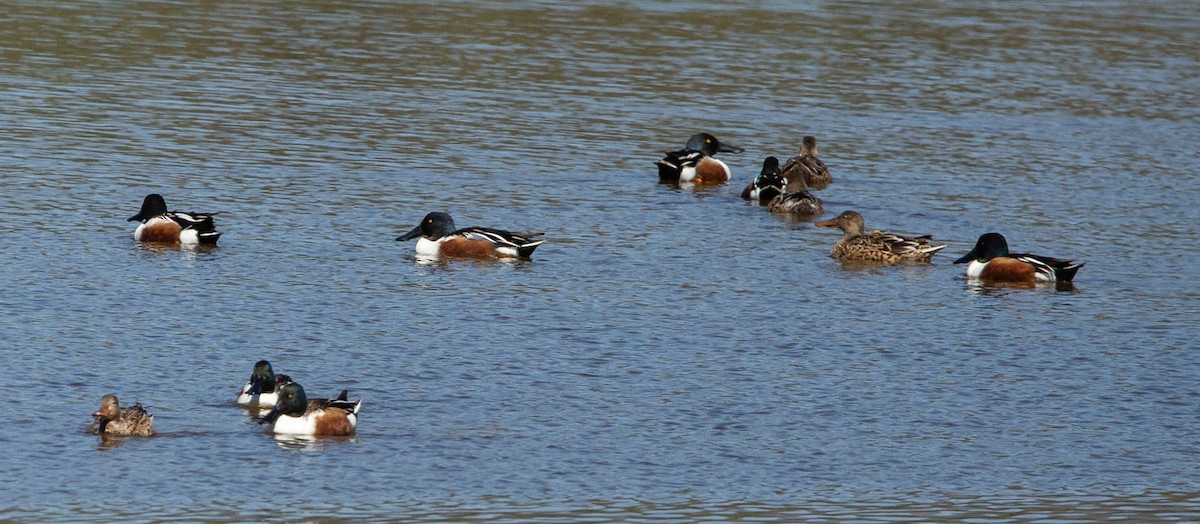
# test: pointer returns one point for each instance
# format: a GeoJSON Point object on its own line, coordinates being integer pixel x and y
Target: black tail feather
{"type": "Point", "coordinates": [1067, 273]}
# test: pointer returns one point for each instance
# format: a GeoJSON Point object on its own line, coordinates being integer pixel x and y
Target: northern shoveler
{"type": "Point", "coordinates": [807, 166]}
{"type": "Point", "coordinates": [876, 246]}
{"type": "Point", "coordinates": [439, 238]}
{"type": "Point", "coordinates": [263, 387]}
{"type": "Point", "coordinates": [114, 421]}
{"type": "Point", "coordinates": [160, 225]}
{"type": "Point", "coordinates": [294, 414]}
{"type": "Point", "coordinates": [695, 162]}
{"type": "Point", "coordinates": [797, 201]}
{"type": "Point", "coordinates": [768, 184]}
{"type": "Point", "coordinates": [991, 261]}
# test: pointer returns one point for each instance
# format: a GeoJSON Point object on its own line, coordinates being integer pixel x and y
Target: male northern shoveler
{"type": "Point", "coordinates": [439, 238]}
{"type": "Point", "coordinates": [807, 166]}
{"type": "Point", "coordinates": [114, 421]}
{"type": "Point", "coordinates": [695, 162]}
{"type": "Point", "coordinates": [263, 387]}
{"type": "Point", "coordinates": [990, 260]}
{"type": "Point", "coordinates": [294, 414]}
{"type": "Point", "coordinates": [797, 201]}
{"type": "Point", "coordinates": [160, 225]}
{"type": "Point", "coordinates": [876, 246]}
{"type": "Point", "coordinates": [768, 184]}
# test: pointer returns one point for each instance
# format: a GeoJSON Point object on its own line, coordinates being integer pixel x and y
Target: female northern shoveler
{"type": "Point", "coordinates": [263, 387]}
{"type": "Point", "coordinates": [876, 246]}
{"type": "Point", "coordinates": [807, 166]}
{"type": "Point", "coordinates": [990, 260]}
{"type": "Point", "coordinates": [114, 421]}
{"type": "Point", "coordinates": [160, 225]}
{"type": "Point", "coordinates": [439, 238]}
{"type": "Point", "coordinates": [294, 414]}
{"type": "Point", "coordinates": [797, 201]}
{"type": "Point", "coordinates": [768, 184]}
{"type": "Point", "coordinates": [695, 163]}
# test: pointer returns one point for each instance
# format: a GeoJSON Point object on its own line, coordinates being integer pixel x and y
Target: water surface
{"type": "Point", "coordinates": [671, 354]}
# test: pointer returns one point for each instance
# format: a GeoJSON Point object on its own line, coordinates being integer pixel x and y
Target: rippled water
{"type": "Point", "coordinates": [671, 354]}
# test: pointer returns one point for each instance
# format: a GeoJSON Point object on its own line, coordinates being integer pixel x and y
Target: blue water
{"type": "Point", "coordinates": [670, 354]}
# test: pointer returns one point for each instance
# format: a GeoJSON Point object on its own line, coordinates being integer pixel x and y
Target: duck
{"type": "Point", "coordinates": [114, 421]}
{"type": "Point", "coordinates": [696, 163]}
{"type": "Point", "coordinates": [263, 387]}
{"type": "Point", "coordinates": [807, 166]}
{"type": "Point", "coordinates": [797, 201]}
{"type": "Point", "coordinates": [172, 227]}
{"type": "Point", "coordinates": [768, 184]}
{"type": "Point", "coordinates": [990, 260]}
{"type": "Point", "coordinates": [876, 246]}
{"type": "Point", "coordinates": [294, 414]}
{"type": "Point", "coordinates": [439, 238]}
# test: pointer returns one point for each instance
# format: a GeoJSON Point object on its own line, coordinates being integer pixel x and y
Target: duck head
{"type": "Point", "coordinates": [434, 226]}
{"type": "Point", "coordinates": [153, 205]}
{"type": "Point", "coordinates": [709, 145]}
{"type": "Point", "coordinates": [989, 246]}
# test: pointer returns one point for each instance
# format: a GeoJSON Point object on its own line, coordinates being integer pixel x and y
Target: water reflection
{"type": "Point", "coordinates": [256, 413]}
{"type": "Point", "coordinates": [450, 262]}
{"type": "Point", "coordinates": [878, 267]}
{"type": "Point", "coordinates": [111, 442]}
{"type": "Point", "coordinates": [310, 443]}
{"type": "Point", "coordinates": [982, 287]}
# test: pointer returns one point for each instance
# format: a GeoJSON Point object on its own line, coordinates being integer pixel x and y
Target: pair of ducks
{"type": "Point", "coordinates": [291, 411]}
{"type": "Point", "coordinates": [436, 234]}
{"type": "Point", "coordinates": [989, 260]}
{"type": "Point", "coordinates": [785, 190]}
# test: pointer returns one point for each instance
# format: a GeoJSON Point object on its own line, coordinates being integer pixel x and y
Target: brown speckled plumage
{"type": "Point", "coordinates": [113, 420]}
{"type": "Point", "coordinates": [807, 166]}
{"type": "Point", "coordinates": [796, 201]}
{"type": "Point", "coordinates": [876, 246]}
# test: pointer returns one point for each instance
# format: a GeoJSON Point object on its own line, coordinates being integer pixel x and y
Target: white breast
{"type": "Point", "coordinates": [428, 248]}
{"type": "Point", "coordinates": [975, 268]}
{"type": "Point", "coordinates": [264, 399]}
{"type": "Point", "coordinates": [288, 425]}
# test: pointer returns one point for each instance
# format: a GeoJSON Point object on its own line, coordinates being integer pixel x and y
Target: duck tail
{"type": "Point", "coordinates": [1067, 272]}
{"type": "Point", "coordinates": [526, 250]}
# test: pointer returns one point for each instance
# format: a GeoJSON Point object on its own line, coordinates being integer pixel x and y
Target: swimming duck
{"type": "Point", "coordinates": [797, 201]}
{"type": "Point", "coordinates": [294, 414]}
{"type": "Point", "coordinates": [160, 225]}
{"type": "Point", "coordinates": [114, 421]}
{"type": "Point", "coordinates": [807, 166]}
{"type": "Point", "coordinates": [876, 246]}
{"type": "Point", "coordinates": [991, 261]}
{"type": "Point", "coordinates": [263, 387]}
{"type": "Point", "coordinates": [439, 238]}
{"type": "Point", "coordinates": [768, 184]}
{"type": "Point", "coordinates": [695, 162]}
